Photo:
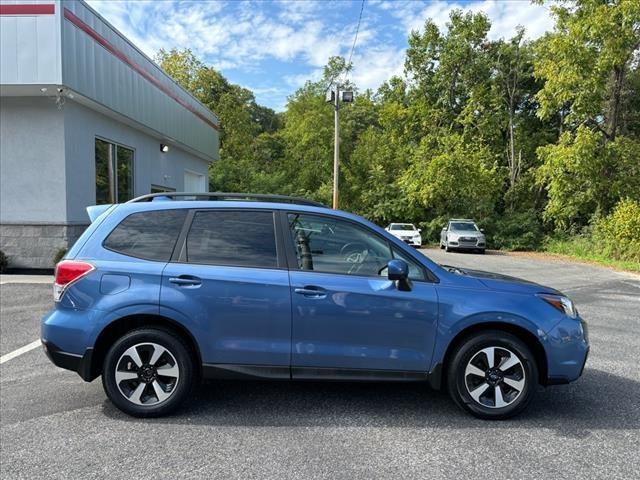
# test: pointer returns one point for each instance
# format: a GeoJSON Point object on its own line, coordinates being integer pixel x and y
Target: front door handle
{"type": "Point", "coordinates": [186, 281]}
{"type": "Point", "coordinates": [311, 292]}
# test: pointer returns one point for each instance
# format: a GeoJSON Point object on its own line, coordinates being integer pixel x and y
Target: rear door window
{"type": "Point", "coordinates": [147, 235]}
{"type": "Point", "coordinates": [235, 238]}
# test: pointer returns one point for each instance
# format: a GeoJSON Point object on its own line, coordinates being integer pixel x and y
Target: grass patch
{"type": "Point", "coordinates": [584, 248]}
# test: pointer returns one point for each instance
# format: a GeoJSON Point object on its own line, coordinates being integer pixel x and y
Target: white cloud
{"type": "Point", "coordinates": [235, 37]}
{"type": "Point", "coordinates": [243, 37]}
{"type": "Point", "coordinates": [298, 80]}
{"type": "Point", "coordinates": [375, 65]}
{"type": "Point", "coordinates": [505, 16]}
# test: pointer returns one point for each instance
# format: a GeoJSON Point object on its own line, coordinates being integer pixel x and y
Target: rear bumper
{"type": "Point", "coordinates": [68, 339]}
{"type": "Point", "coordinates": [81, 364]}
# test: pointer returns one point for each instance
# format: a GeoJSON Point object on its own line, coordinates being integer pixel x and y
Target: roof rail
{"type": "Point", "coordinates": [249, 197]}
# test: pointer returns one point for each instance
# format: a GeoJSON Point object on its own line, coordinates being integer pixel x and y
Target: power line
{"type": "Point", "coordinates": [355, 39]}
{"type": "Point", "coordinates": [353, 47]}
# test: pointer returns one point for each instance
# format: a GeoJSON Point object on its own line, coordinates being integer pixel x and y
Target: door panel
{"type": "Point", "coordinates": [239, 315]}
{"type": "Point", "coordinates": [362, 323]}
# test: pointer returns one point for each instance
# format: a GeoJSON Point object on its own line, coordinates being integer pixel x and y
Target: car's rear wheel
{"type": "Point", "coordinates": [148, 372]}
{"type": "Point", "coordinates": [492, 375]}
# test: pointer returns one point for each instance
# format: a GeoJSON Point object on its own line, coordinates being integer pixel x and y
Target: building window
{"type": "Point", "coordinates": [114, 172]}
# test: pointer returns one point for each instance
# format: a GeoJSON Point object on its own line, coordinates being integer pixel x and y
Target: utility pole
{"type": "Point", "coordinates": [335, 96]}
{"type": "Point", "coordinates": [336, 146]}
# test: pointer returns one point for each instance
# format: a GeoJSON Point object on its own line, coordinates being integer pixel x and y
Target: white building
{"type": "Point", "coordinates": [83, 116]}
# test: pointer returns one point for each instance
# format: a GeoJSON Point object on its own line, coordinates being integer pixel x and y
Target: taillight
{"type": "Point", "coordinates": [68, 272]}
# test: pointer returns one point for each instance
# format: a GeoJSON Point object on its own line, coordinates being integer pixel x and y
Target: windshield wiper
{"type": "Point", "coordinates": [453, 269]}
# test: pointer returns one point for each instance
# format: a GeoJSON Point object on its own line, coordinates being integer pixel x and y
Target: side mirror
{"type": "Point", "coordinates": [482, 230]}
{"type": "Point", "coordinates": [444, 229]}
{"type": "Point", "coordinates": [398, 271]}
{"type": "Point", "coordinates": [419, 230]}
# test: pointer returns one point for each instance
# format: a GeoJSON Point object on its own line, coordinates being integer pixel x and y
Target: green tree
{"type": "Point", "coordinates": [449, 177]}
{"type": "Point", "coordinates": [589, 65]}
{"type": "Point", "coordinates": [242, 121]}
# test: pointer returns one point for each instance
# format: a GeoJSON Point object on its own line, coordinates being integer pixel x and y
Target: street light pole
{"type": "Point", "coordinates": [336, 147]}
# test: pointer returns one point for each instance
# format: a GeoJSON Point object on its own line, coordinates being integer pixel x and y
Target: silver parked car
{"type": "Point", "coordinates": [462, 234]}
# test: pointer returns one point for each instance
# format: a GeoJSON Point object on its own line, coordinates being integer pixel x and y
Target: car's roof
{"type": "Point", "coordinates": [128, 208]}
{"type": "Point", "coordinates": [469, 220]}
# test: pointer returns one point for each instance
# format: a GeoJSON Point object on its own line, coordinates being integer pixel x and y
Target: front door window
{"type": "Point", "coordinates": [330, 245]}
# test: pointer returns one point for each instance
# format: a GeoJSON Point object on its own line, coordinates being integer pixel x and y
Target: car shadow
{"type": "Point", "coordinates": [598, 401]}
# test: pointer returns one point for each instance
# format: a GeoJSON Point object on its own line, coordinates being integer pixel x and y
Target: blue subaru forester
{"type": "Point", "coordinates": [171, 288]}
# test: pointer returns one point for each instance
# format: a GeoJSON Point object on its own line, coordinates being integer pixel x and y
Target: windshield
{"type": "Point", "coordinates": [402, 226]}
{"type": "Point", "coordinates": [463, 227]}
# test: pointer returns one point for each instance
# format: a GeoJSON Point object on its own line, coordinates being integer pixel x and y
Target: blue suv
{"type": "Point", "coordinates": [171, 288]}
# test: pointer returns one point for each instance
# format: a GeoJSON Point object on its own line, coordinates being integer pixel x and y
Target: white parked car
{"type": "Point", "coordinates": [407, 232]}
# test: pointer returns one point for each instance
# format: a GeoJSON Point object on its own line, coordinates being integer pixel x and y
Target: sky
{"type": "Point", "coordinates": [273, 47]}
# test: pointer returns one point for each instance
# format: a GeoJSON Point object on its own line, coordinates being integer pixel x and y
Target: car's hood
{"type": "Point", "coordinates": [404, 232]}
{"type": "Point", "coordinates": [505, 283]}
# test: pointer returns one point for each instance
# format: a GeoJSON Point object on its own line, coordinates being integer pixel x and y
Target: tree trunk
{"type": "Point", "coordinates": [614, 109]}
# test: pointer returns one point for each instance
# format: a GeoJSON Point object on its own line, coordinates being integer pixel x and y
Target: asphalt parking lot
{"type": "Point", "coordinates": [53, 425]}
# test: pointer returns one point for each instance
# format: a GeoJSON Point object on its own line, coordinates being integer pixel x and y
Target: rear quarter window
{"type": "Point", "coordinates": [147, 235]}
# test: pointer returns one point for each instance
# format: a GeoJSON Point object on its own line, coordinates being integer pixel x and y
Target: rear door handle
{"type": "Point", "coordinates": [186, 281]}
{"type": "Point", "coordinates": [311, 292]}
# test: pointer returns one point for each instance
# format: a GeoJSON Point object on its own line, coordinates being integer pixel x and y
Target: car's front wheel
{"type": "Point", "coordinates": [492, 375]}
{"type": "Point", "coordinates": [148, 372]}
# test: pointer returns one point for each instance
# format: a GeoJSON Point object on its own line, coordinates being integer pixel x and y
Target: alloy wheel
{"type": "Point", "coordinates": [147, 374]}
{"type": "Point", "coordinates": [495, 377]}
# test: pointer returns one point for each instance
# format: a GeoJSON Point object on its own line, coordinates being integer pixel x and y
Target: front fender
{"type": "Point", "coordinates": [448, 333]}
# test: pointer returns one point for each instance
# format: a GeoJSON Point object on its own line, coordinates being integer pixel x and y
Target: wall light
{"type": "Point", "coordinates": [164, 148]}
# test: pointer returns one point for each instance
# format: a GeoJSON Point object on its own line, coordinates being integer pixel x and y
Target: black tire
{"type": "Point", "coordinates": [481, 251]}
{"type": "Point", "coordinates": [180, 355]}
{"type": "Point", "coordinates": [470, 348]}
{"type": "Point", "coordinates": [441, 246]}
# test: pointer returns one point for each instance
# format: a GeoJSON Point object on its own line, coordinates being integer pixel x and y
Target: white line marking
{"type": "Point", "coordinates": [20, 351]}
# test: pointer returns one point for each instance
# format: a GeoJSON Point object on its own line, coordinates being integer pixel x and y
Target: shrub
{"type": "Point", "coordinates": [59, 255]}
{"type": "Point", "coordinates": [431, 229]}
{"type": "Point", "coordinates": [4, 262]}
{"type": "Point", "coordinates": [618, 234]}
{"type": "Point", "coordinates": [514, 231]}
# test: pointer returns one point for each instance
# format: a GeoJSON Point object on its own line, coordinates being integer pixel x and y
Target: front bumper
{"type": "Point", "coordinates": [81, 364]}
{"type": "Point", "coordinates": [414, 242]}
{"type": "Point", "coordinates": [466, 245]}
{"type": "Point", "coordinates": [567, 346]}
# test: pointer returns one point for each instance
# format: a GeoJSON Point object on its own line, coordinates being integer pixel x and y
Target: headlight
{"type": "Point", "coordinates": [562, 303]}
